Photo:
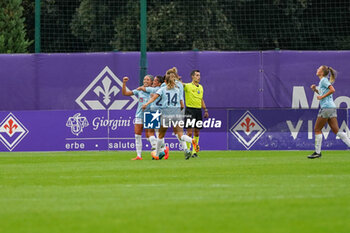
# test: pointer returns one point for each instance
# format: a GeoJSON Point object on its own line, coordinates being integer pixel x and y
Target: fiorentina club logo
{"type": "Point", "coordinates": [247, 130]}
{"type": "Point", "coordinates": [77, 123]}
{"type": "Point", "coordinates": [12, 131]}
{"type": "Point", "coordinates": [104, 92]}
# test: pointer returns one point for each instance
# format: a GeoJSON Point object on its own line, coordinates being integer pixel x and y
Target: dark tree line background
{"type": "Point", "coordinates": [107, 25]}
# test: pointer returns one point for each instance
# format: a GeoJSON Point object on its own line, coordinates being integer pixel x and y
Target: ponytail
{"type": "Point", "coordinates": [170, 77]}
{"type": "Point", "coordinates": [332, 74]}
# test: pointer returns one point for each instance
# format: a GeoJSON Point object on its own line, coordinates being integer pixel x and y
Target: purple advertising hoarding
{"type": "Point", "coordinates": [71, 130]}
{"type": "Point", "coordinates": [253, 129]}
{"type": "Point", "coordinates": [88, 86]}
{"type": "Point", "coordinates": [275, 79]}
{"type": "Point", "coordinates": [288, 75]}
{"type": "Point", "coordinates": [281, 129]}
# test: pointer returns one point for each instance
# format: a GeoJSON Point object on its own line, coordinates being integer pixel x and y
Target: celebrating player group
{"type": "Point", "coordinates": [165, 95]}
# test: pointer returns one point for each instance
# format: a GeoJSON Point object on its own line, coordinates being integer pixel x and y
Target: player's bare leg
{"type": "Point", "coordinates": [333, 123]}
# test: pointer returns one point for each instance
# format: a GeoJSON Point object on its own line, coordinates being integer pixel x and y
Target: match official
{"type": "Point", "coordinates": [194, 104]}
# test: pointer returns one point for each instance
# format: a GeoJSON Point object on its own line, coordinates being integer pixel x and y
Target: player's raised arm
{"type": "Point", "coordinates": [124, 91]}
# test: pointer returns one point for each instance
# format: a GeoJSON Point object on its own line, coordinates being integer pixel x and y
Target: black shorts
{"type": "Point", "coordinates": [190, 114]}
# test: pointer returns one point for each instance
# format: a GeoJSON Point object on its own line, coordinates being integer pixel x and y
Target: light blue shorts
{"type": "Point", "coordinates": [327, 112]}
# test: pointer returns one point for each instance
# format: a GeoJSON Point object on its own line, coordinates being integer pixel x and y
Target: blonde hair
{"type": "Point", "coordinates": [329, 71]}
{"type": "Point", "coordinates": [176, 73]}
{"type": "Point", "coordinates": [170, 77]}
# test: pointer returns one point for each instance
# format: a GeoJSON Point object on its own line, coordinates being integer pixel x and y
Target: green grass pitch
{"type": "Point", "coordinates": [222, 191]}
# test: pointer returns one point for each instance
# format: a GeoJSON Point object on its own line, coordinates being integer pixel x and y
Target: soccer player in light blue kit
{"type": "Point", "coordinates": [158, 82]}
{"type": "Point", "coordinates": [171, 113]}
{"type": "Point", "coordinates": [328, 111]}
{"type": "Point", "coordinates": [143, 97]}
{"type": "Point", "coordinates": [155, 106]}
{"type": "Point", "coordinates": [180, 86]}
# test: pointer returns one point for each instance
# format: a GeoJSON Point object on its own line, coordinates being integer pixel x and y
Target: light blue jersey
{"type": "Point", "coordinates": [157, 104]}
{"type": "Point", "coordinates": [323, 88]}
{"type": "Point", "coordinates": [143, 98]}
{"type": "Point", "coordinates": [180, 86]}
{"type": "Point", "coordinates": [170, 100]}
